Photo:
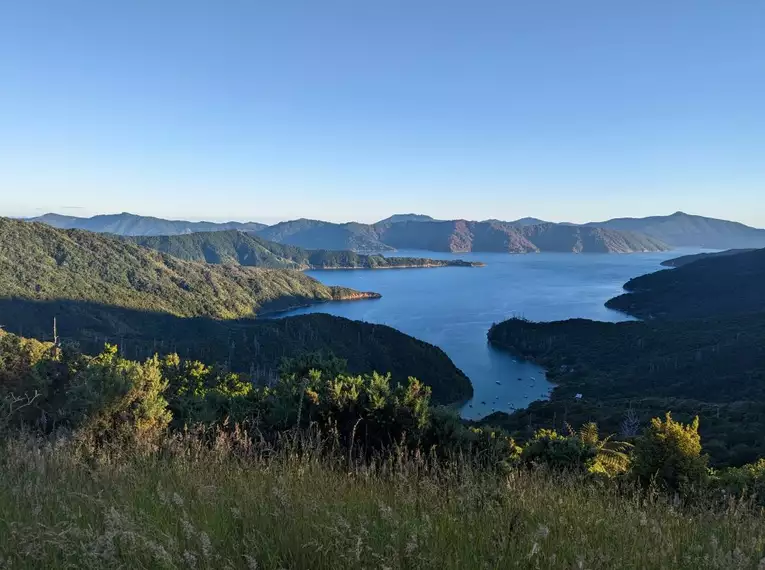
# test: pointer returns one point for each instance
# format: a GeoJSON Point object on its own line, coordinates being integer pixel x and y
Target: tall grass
{"type": "Point", "coordinates": [240, 504]}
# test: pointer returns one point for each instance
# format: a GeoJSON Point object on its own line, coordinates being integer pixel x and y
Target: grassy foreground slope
{"type": "Point", "coordinates": [213, 510]}
{"type": "Point", "coordinates": [39, 262]}
{"type": "Point", "coordinates": [249, 250]}
{"type": "Point", "coordinates": [168, 463]}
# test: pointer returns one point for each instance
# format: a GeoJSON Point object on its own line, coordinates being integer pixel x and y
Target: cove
{"type": "Point", "coordinates": [453, 308]}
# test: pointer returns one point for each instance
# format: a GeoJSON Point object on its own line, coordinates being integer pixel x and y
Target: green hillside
{"type": "Point", "coordinates": [244, 249]}
{"type": "Point", "coordinates": [39, 262]}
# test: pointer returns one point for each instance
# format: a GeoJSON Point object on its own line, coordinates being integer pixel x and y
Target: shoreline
{"type": "Point", "coordinates": [428, 266]}
{"type": "Point", "coordinates": [365, 296]}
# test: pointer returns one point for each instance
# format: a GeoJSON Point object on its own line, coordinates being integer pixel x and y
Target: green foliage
{"type": "Point", "coordinates": [104, 289]}
{"type": "Point", "coordinates": [20, 358]}
{"type": "Point", "coordinates": [450, 437]}
{"type": "Point", "coordinates": [300, 366]}
{"type": "Point", "coordinates": [611, 457]}
{"type": "Point", "coordinates": [38, 262]}
{"type": "Point", "coordinates": [670, 452]}
{"type": "Point", "coordinates": [745, 481]}
{"type": "Point", "coordinates": [559, 452]}
{"type": "Point", "coordinates": [247, 346]}
{"type": "Point", "coordinates": [113, 399]}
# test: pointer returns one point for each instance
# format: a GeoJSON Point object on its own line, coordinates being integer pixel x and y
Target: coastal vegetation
{"type": "Point", "coordinates": [713, 368]}
{"type": "Point", "coordinates": [713, 286]}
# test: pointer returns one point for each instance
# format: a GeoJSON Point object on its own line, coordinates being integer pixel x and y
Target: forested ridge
{"type": "Point", "coordinates": [38, 262]}
{"type": "Point", "coordinates": [249, 250]}
{"type": "Point", "coordinates": [717, 285]}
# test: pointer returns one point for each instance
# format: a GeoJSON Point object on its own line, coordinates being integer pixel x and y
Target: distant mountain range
{"type": "Point", "coordinates": [685, 230]}
{"type": "Point", "coordinates": [418, 231]}
{"type": "Point", "coordinates": [459, 236]}
{"type": "Point", "coordinates": [316, 234]}
{"type": "Point", "coordinates": [396, 218]}
{"type": "Point", "coordinates": [132, 225]}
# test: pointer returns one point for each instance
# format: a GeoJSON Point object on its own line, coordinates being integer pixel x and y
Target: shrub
{"type": "Point", "coordinates": [559, 452]}
{"type": "Point", "coordinates": [118, 401]}
{"type": "Point", "coordinates": [670, 452]}
{"type": "Point", "coordinates": [747, 480]}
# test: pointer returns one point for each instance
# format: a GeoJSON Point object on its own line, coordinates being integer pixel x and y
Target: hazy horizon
{"type": "Point", "coordinates": [352, 111]}
{"type": "Point", "coordinates": [370, 219]}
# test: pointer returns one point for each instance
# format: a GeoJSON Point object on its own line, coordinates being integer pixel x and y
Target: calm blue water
{"type": "Point", "coordinates": [454, 307]}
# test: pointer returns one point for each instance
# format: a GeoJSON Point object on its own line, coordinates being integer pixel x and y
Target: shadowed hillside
{"type": "Point", "coordinates": [686, 259]}
{"type": "Point", "coordinates": [716, 285]}
{"type": "Point", "coordinates": [250, 346]}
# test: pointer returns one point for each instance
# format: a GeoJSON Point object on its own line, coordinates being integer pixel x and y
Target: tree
{"type": "Point", "coordinates": [670, 452]}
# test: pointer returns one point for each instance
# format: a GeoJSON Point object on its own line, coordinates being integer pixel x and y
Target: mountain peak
{"type": "Point", "coordinates": [411, 217]}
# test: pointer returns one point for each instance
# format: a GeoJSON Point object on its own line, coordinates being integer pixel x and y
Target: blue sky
{"type": "Point", "coordinates": [356, 109]}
